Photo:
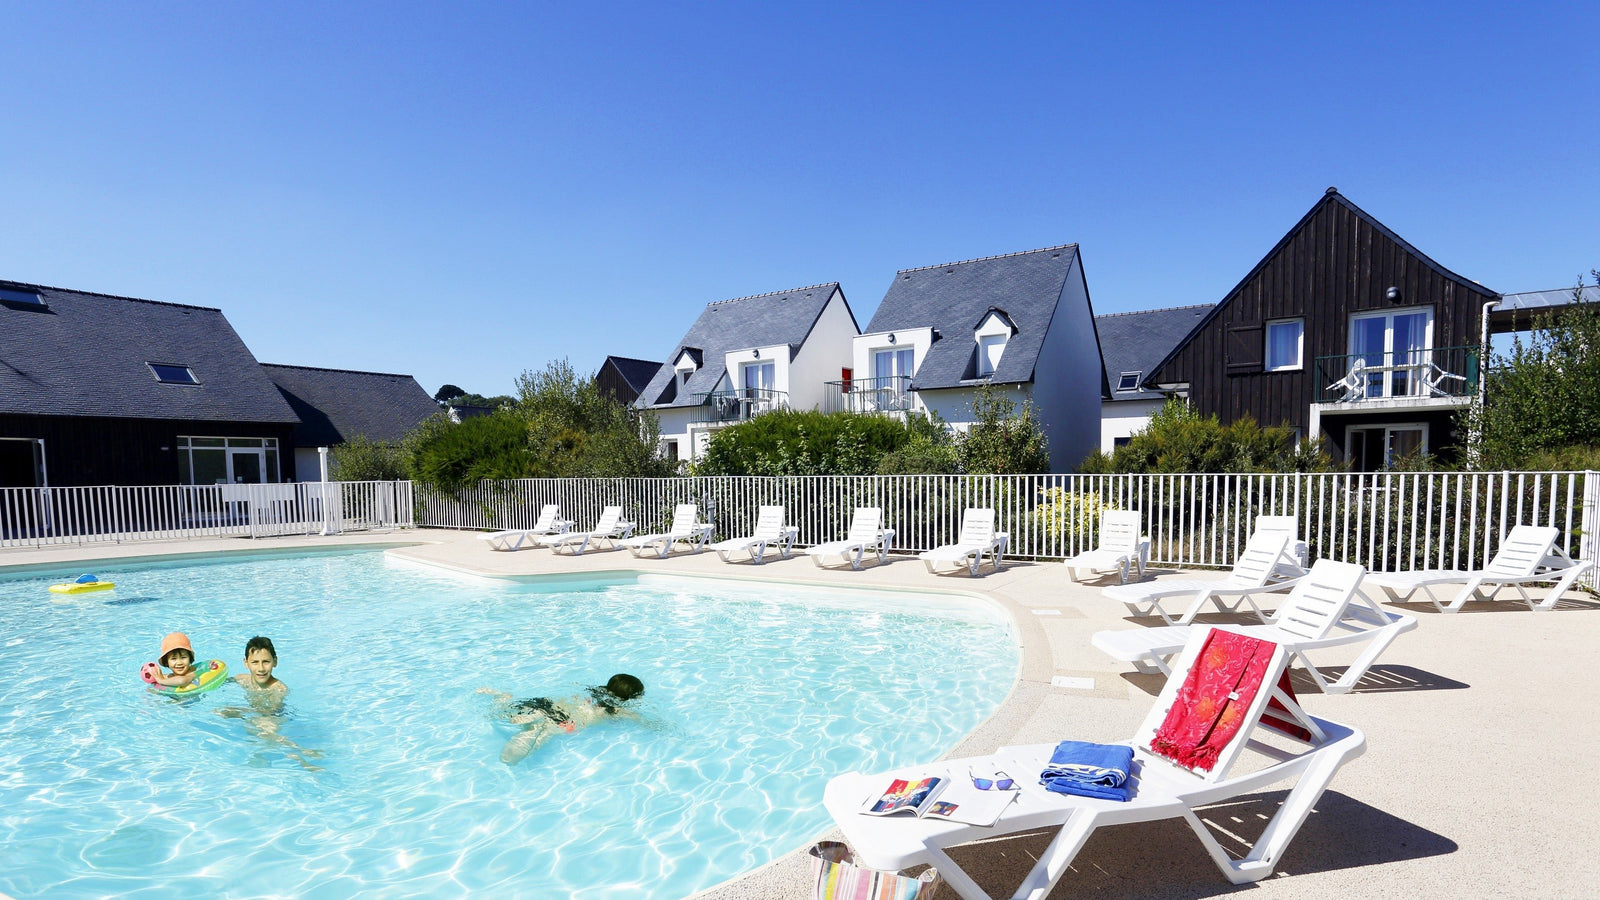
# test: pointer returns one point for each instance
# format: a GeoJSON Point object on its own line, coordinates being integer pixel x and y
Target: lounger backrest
{"type": "Point", "coordinates": [1319, 602]}
{"type": "Point", "coordinates": [547, 517]}
{"type": "Point", "coordinates": [1254, 566]}
{"type": "Point", "coordinates": [1119, 530]}
{"type": "Point", "coordinates": [1294, 553]}
{"type": "Point", "coordinates": [977, 527]}
{"type": "Point", "coordinates": [865, 524]}
{"type": "Point", "coordinates": [1524, 548]}
{"type": "Point", "coordinates": [769, 523]}
{"type": "Point", "coordinates": [1169, 695]}
{"type": "Point", "coordinates": [609, 517]}
{"type": "Point", "coordinates": [684, 517]}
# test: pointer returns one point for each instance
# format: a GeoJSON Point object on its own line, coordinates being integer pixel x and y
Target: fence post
{"type": "Point", "coordinates": [1591, 520]}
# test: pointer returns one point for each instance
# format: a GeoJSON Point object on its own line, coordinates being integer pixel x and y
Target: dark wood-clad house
{"type": "Point", "coordinates": [623, 378]}
{"type": "Point", "coordinates": [1343, 330]}
{"type": "Point", "coordinates": [102, 390]}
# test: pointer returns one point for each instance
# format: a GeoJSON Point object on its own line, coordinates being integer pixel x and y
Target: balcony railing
{"type": "Point", "coordinates": [1443, 372]}
{"type": "Point", "coordinates": [868, 395]}
{"type": "Point", "coordinates": [723, 407]}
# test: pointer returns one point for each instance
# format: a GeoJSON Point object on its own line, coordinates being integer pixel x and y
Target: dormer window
{"type": "Point", "coordinates": [686, 364]}
{"type": "Point", "coordinates": [991, 335]}
{"type": "Point", "coordinates": [1129, 381]}
{"type": "Point", "coordinates": [23, 299]}
{"type": "Point", "coordinates": [171, 374]}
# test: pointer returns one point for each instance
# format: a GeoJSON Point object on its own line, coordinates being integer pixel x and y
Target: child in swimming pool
{"type": "Point", "coordinates": [178, 656]}
{"type": "Point", "coordinates": [542, 718]}
{"type": "Point", "coordinates": [260, 658]}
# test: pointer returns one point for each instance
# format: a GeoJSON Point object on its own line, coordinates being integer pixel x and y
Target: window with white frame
{"type": "Point", "coordinates": [1129, 381]}
{"type": "Point", "coordinates": [1286, 339]}
{"type": "Point", "coordinates": [990, 348]}
{"type": "Point", "coordinates": [215, 460]}
{"type": "Point", "coordinates": [895, 362]}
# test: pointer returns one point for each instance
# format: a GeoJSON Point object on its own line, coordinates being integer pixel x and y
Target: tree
{"type": "Point", "coordinates": [576, 430]}
{"type": "Point", "coordinates": [446, 394]}
{"type": "Point", "coordinates": [1543, 398]}
{"type": "Point", "coordinates": [452, 457]}
{"type": "Point", "coordinates": [1004, 439]}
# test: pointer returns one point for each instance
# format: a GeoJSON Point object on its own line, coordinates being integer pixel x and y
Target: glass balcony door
{"type": "Point", "coordinates": [1393, 351]}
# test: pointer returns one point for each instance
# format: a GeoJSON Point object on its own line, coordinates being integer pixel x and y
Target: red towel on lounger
{"type": "Point", "coordinates": [1212, 702]}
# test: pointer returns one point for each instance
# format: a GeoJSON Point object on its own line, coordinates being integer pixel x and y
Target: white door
{"type": "Point", "coordinates": [1394, 350]}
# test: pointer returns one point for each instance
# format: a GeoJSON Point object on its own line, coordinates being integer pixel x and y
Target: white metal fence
{"type": "Point", "coordinates": [36, 517]}
{"type": "Point", "coordinates": [1386, 521]}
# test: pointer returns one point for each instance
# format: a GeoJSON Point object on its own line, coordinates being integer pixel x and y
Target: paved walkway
{"type": "Point", "coordinates": [1477, 780]}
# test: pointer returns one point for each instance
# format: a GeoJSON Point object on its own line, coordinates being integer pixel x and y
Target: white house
{"type": "Point", "coordinates": [1132, 344]}
{"type": "Point", "coordinates": [1021, 322]}
{"type": "Point", "coordinates": [746, 356]}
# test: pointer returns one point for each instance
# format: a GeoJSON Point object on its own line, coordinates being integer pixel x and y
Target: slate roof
{"type": "Point", "coordinates": [1137, 341]}
{"type": "Point", "coordinates": [336, 405]}
{"type": "Point", "coordinates": [954, 297]}
{"type": "Point", "coordinates": [87, 354]}
{"type": "Point", "coordinates": [636, 372]}
{"type": "Point", "coordinates": [780, 317]}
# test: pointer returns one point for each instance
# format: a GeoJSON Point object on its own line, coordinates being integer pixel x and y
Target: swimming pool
{"type": "Point", "coordinates": [756, 695]}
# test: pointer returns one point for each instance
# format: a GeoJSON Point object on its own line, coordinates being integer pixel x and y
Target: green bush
{"type": "Point", "coordinates": [1005, 439]}
{"type": "Point", "coordinates": [452, 457]}
{"type": "Point", "coordinates": [575, 430]}
{"type": "Point", "coordinates": [795, 442]}
{"type": "Point", "coordinates": [1179, 440]}
{"type": "Point", "coordinates": [361, 459]}
{"type": "Point", "coordinates": [1543, 402]}
{"type": "Point", "coordinates": [1068, 514]}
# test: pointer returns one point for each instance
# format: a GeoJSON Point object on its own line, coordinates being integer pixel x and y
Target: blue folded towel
{"type": "Point", "coordinates": [1089, 770]}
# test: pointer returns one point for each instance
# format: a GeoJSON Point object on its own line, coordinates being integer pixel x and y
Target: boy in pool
{"type": "Point", "coordinates": [260, 657]}
{"type": "Point", "coordinates": [542, 718]}
{"type": "Point", "coordinates": [176, 655]}
{"type": "Point", "coordinates": [265, 693]}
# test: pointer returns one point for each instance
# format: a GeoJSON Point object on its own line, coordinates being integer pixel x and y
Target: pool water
{"type": "Point", "coordinates": [382, 777]}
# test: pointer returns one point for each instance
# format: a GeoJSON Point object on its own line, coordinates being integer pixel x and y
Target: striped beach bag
{"type": "Point", "coordinates": [837, 877]}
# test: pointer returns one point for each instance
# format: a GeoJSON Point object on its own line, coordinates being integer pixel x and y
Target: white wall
{"type": "Point", "coordinates": [918, 339]}
{"type": "Point", "coordinates": [1067, 377]}
{"type": "Point", "coordinates": [954, 405]}
{"type": "Point", "coordinates": [826, 350]}
{"type": "Point", "coordinates": [1121, 418]}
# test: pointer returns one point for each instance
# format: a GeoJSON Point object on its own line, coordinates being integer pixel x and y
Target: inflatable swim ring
{"type": "Point", "coordinates": [82, 585]}
{"type": "Point", "coordinates": [212, 674]}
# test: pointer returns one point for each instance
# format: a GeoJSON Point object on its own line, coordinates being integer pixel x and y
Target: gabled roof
{"type": "Point", "coordinates": [763, 320]}
{"type": "Point", "coordinates": [636, 373]}
{"type": "Point", "coordinates": [1331, 195]}
{"type": "Point", "coordinates": [336, 405]}
{"type": "Point", "coordinates": [954, 297]}
{"type": "Point", "coordinates": [86, 354]}
{"type": "Point", "coordinates": [1137, 341]}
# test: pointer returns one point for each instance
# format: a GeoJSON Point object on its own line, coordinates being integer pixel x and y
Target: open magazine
{"type": "Point", "coordinates": [939, 797]}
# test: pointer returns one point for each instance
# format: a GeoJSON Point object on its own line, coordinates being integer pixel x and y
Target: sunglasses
{"type": "Point", "coordinates": [1001, 782]}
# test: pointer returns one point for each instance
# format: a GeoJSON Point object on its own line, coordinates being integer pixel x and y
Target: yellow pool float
{"type": "Point", "coordinates": [83, 585]}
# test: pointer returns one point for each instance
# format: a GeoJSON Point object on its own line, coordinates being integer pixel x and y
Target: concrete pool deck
{"type": "Point", "coordinates": [1476, 781]}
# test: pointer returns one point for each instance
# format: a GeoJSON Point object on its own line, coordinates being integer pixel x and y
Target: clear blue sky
{"type": "Point", "coordinates": [465, 191]}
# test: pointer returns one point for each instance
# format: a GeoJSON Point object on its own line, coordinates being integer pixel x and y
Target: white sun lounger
{"type": "Point", "coordinates": [1121, 547]}
{"type": "Point", "coordinates": [1319, 613]}
{"type": "Point", "coordinates": [866, 533]}
{"type": "Point", "coordinates": [514, 538]}
{"type": "Point", "coordinates": [686, 529]}
{"type": "Point", "coordinates": [1163, 790]}
{"type": "Point", "coordinates": [610, 528]}
{"type": "Point", "coordinates": [1252, 574]}
{"type": "Point", "coordinates": [770, 532]}
{"type": "Point", "coordinates": [1528, 555]}
{"type": "Point", "coordinates": [977, 538]}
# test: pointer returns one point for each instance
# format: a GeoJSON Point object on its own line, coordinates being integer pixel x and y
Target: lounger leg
{"type": "Point", "coordinates": [855, 563]}
{"type": "Point", "coordinates": [1054, 860]}
{"type": "Point", "coordinates": [1467, 593]}
{"type": "Point", "coordinates": [1072, 575]}
{"type": "Point", "coordinates": [1562, 586]}
{"type": "Point", "coordinates": [1280, 830]}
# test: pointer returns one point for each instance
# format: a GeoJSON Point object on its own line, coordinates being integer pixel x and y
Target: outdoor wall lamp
{"type": "Point", "coordinates": [891, 338]}
{"type": "Point", "coordinates": [1393, 295]}
{"type": "Point", "coordinates": [756, 354]}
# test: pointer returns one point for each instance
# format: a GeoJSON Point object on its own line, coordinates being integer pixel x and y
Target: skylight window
{"type": "Point", "coordinates": [1129, 381]}
{"type": "Point", "coordinates": [21, 298]}
{"type": "Point", "coordinates": [168, 374]}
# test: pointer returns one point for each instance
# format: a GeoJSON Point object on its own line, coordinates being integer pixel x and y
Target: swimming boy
{"type": "Point", "coordinates": [178, 656]}
{"type": "Point", "coordinates": [542, 718]}
{"type": "Point", "coordinates": [260, 658]}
